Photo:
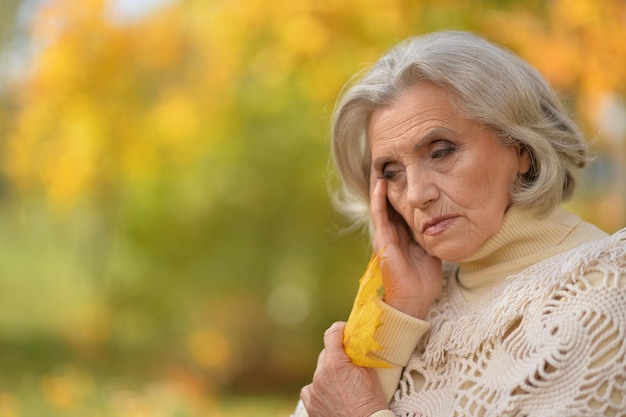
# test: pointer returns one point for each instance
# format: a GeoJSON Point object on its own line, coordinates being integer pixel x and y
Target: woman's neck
{"type": "Point", "coordinates": [524, 239]}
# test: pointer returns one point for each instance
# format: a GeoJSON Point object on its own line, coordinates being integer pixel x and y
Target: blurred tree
{"type": "Point", "coordinates": [181, 158]}
{"type": "Point", "coordinates": [8, 37]}
{"type": "Point", "coordinates": [9, 18]}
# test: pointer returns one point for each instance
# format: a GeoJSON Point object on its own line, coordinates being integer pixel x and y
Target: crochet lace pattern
{"type": "Point", "coordinates": [549, 341]}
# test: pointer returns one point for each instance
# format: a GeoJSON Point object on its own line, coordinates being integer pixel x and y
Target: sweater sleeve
{"type": "Point", "coordinates": [399, 335]}
{"type": "Point", "coordinates": [383, 413]}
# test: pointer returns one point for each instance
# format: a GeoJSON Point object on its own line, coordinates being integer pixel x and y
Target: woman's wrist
{"type": "Point", "coordinates": [409, 306]}
{"type": "Point", "coordinates": [371, 409]}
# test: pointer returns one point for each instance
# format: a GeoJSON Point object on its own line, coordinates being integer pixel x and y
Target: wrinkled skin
{"type": "Point", "coordinates": [339, 388]}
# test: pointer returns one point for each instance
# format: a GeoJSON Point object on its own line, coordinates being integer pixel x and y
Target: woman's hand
{"type": "Point", "coordinates": [340, 388]}
{"type": "Point", "coordinates": [411, 277]}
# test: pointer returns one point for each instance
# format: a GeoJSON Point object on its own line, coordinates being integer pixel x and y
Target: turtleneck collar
{"type": "Point", "coordinates": [524, 239]}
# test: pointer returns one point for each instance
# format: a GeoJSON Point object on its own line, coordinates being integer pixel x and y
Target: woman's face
{"type": "Point", "coordinates": [447, 176]}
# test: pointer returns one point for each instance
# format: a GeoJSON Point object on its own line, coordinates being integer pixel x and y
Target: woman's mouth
{"type": "Point", "coordinates": [438, 224]}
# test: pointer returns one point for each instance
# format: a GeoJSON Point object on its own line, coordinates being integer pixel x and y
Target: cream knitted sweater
{"type": "Point", "coordinates": [533, 324]}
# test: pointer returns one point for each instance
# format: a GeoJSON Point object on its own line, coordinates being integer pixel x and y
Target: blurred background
{"type": "Point", "coordinates": [167, 245]}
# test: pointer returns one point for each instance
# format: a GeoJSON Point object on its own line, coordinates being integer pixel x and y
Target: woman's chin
{"type": "Point", "coordinates": [449, 252]}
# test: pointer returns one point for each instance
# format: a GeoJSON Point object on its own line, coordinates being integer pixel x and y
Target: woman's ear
{"type": "Point", "coordinates": [524, 160]}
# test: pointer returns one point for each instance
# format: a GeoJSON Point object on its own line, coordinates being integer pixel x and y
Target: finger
{"type": "Point", "coordinates": [333, 342]}
{"type": "Point", "coordinates": [320, 357]}
{"type": "Point", "coordinates": [333, 336]}
{"type": "Point", "coordinates": [379, 213]}
{"type": "Point", "coordinates": [389, 227]}
{"type": "Point", "coordinates": [375, 175]}
{"type": "Point", "coordinates": [305, 394]}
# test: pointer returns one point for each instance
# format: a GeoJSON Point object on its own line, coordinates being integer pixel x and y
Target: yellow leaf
{"type": "Point", "coordinates": [358, 337]}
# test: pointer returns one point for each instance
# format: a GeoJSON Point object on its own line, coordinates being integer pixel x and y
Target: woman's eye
{"type": "Point", "coordinates": [442, 151]}
{"type": "Point", "coordinates": [389, 172]}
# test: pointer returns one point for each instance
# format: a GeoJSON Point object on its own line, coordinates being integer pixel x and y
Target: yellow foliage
{"type": "Point", "coordinates": [578, 47]}
{"type": "Point", "coordinates": [209, 348]}
{"type": "Point", "coordinates": [9, 405]}
{"type": "Point", "coordinates": [176, 117]}
{"type": "Point", "coordinates": [304, 35]}
{"type": "Point", "coordinates": [365, 318]}
{"type": "Point", "coordinates": [66, 388]}
{"type": "Point", "coordinates": [158, 93]}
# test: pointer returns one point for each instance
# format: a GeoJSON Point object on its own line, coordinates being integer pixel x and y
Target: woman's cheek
{"type": "Point", "coordinates": [394, 196]}
{"type": "Point", "coordinates": [400, 206]}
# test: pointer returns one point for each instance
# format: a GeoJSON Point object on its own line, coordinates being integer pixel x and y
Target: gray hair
{"type": "Point", "coordinates": [488, 84]}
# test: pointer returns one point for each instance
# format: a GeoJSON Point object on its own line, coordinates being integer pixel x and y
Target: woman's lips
{"type": "Point", "coordinates": [436, 225]}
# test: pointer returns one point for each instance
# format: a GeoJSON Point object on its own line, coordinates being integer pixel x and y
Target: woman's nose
{"type": "Point", "coordinates": [421, 189]}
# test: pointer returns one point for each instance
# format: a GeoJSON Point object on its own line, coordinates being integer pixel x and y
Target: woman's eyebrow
{"type": "Point", "coordinates": [380, 161]}
{"type": "Point", "coordinates": [436, 133]}
{"type": "Point", "coordinates": [433, 134]}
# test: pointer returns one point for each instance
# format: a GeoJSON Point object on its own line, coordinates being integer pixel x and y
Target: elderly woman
{"type": "Point", "coordinates": [455, 150]}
